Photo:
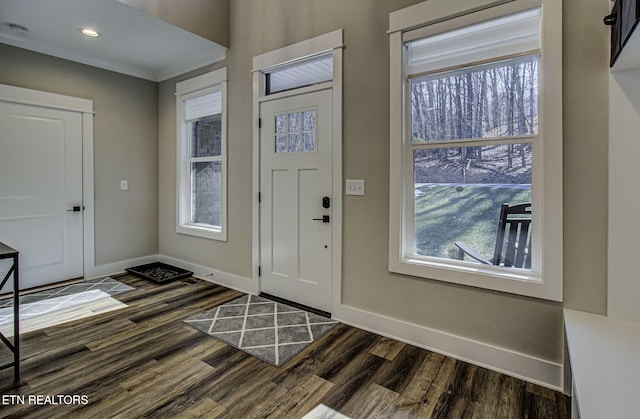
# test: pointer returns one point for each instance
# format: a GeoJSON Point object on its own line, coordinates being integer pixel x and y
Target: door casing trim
{"type": "Point", "coordinates": [332, 41]}
{"type": "Point", "coordinates": [41, 99]}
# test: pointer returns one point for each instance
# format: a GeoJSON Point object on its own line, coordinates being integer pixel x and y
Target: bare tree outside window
{"type": "Point", "coordinates": [206, 176]}
{"type": "Point", "coordinates": [471, 134]}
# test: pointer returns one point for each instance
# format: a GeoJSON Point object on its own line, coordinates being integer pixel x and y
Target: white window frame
{"type": "Point", "coordinates": [544, 280]}
{"type": "Point", "coordinates": [215, 81]}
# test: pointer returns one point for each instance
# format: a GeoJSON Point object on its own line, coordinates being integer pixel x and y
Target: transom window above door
{"type": "Point", "coordinates": [306, 72]}
{"type": "Point", "coordinates": [295, 132]}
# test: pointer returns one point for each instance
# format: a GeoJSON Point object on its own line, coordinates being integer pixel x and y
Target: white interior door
{"type": "Point", "coordinates": [40, 184]}
{"type": "Point", "coordinates": [295, 176]}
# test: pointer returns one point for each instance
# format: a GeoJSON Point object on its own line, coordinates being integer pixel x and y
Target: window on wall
{"type": "Point", "coordinates": [295, 132]}
{"type": "Point", "coordinates": [472, 135]}
{"type": "Point", "coordinates": [306, 72]}
{"type": "Point", "coordinates": [202, 155]}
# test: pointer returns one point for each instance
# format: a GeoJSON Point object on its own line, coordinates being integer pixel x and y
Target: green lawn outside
{"type": "Point", "coordinates": [444, 215]}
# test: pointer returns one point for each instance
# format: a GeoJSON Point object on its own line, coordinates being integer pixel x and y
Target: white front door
{"type": "Point", "coordinates": [40, 184]}
{"type": "Point", "coordinates": [295, 186]}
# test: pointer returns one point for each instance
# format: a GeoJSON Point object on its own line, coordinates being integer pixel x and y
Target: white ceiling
{"type": "Point", "coordinates": [132, 42]}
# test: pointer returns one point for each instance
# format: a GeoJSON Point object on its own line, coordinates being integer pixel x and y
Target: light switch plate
{"type": "Point", "coordinates": [124, 185]}
{"type": "Point", "coordinates": [355, 187]}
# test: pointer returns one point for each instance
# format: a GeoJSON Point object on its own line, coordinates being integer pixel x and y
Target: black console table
{"type": "Point", "coordinates": [7, 252]}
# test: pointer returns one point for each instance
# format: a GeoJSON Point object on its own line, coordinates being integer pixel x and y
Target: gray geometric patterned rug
{"type": "Point", "coordinates": [53, 299]}
{"type": "Point", "coordinates": [270, 331]}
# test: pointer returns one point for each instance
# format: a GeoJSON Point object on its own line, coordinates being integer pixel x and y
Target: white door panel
{"type": "Point", "coordinates": [314, 235]}
{"type": "Point", "coordinates": [30, 230]}
{"type": "Point", "coordinates": [295, 244]}
{"type": "Point", "coordinates": [40, 181]}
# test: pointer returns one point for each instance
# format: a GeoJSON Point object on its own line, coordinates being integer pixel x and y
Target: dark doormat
{"type": "Point", "coordinates": [159, 272]}
{"type": "Point", "coordinates": [271, 331]}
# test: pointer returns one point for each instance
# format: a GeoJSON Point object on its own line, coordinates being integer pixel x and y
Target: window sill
{"type": "Point", "coordinates": [514, 281]}
{"type": "Point", "coordinates": [202, 231]}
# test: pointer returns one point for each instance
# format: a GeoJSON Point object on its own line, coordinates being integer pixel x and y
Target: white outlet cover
{"type": "Point", "coordinates": [355, 187]}
{"type": "Point", "coordinates": [124, 185]}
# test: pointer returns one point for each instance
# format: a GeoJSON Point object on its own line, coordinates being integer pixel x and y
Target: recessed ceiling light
{"type": "Point", "coordinates": [90, 32]}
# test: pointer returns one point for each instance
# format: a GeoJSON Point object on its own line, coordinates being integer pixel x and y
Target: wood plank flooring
{"type": "Point", "coordinates": [142, 361]}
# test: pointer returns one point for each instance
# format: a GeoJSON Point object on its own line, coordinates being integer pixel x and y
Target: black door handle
{"type": "Point", "coordinates": [75, 209]}
{"type": "Point", "coordinates": [610, 20]}
{"type": "Point", "coordinates": [324, 219]}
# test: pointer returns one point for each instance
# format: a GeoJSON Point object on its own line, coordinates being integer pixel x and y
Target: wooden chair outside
{"type": "Point", "coordinates": [513, 240]}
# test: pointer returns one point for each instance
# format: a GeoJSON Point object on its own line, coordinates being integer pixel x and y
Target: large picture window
{"type": "Point", "coordinates": [472, 137]}
{"type": "Point", "coordinates": [469, 150]}
{"type": "Point", "coordinates": [201, 156]}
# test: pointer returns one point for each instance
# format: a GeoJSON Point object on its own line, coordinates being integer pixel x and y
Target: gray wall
{"type": "Point", "coordinates": [125, 145]}
{"type": "Point", "coordinates": [126, 130]}
{"type": "Point", "coordinates": [586, 145]}
{"type": "Point", "coordinates": [522, 324]}
{"type": "Point", "coordinates": [234, 255]}
{"type": "Point", "coordinates": [207, 18]}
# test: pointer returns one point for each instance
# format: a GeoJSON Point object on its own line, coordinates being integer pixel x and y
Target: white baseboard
{"type": "Point", "coordinates": [522, 366]}
{"type": "Point", "coordinates": [117, 267]}
{"type": "Point", "coordinates": [215, 276]}
{"type": "Point", "coordinates": [518, 365]}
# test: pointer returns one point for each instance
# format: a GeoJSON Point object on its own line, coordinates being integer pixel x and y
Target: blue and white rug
{"type": "Point", "coordinates": [271, 331]}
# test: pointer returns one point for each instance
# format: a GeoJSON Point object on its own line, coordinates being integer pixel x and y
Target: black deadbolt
{"type": "Point", "coordinates": [326, 202]}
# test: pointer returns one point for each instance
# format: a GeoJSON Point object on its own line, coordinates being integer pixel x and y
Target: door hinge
{"type": "Point", "coordinates": [259, 270]}
{"type": "Point", "coordinates": [259, 122]}
{"type": "Point", "coordinates": [259, 196]}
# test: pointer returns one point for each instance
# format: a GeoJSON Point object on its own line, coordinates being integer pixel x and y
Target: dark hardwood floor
{"type": "Point", "coordinates": [142, 361]}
